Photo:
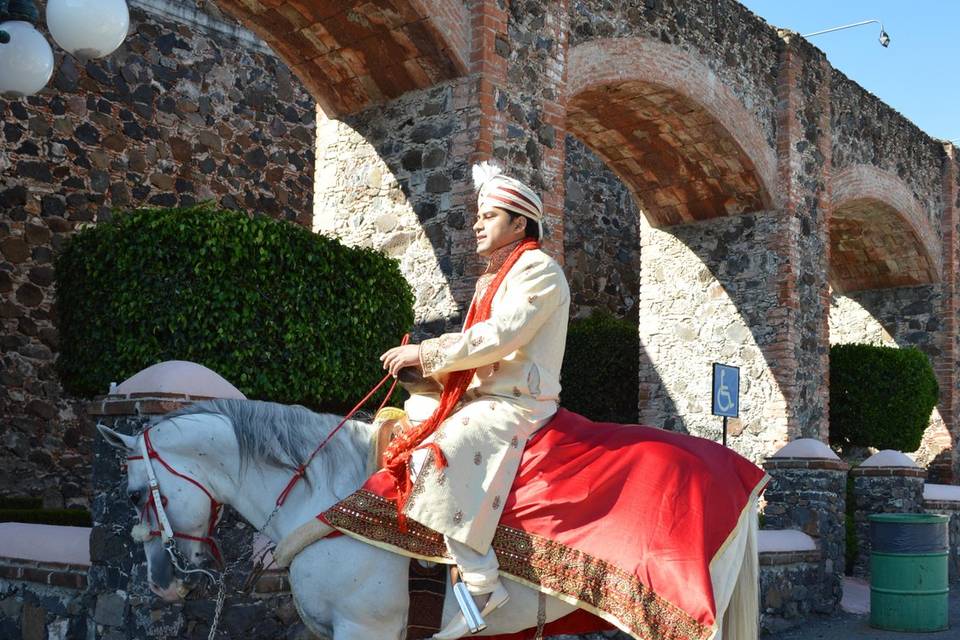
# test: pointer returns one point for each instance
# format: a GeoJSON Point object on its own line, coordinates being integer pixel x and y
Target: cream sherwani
{"type": "Point", "coordinates": [518, 353]}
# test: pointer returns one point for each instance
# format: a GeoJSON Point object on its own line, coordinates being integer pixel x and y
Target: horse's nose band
{"type": "Point", "coordinates": [156, 502]}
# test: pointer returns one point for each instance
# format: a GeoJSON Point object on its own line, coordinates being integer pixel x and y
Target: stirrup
{"type": "Point", "coordinates": [469, 609]}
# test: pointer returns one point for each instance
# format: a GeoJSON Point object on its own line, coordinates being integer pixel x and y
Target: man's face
{"type": "Point", "coordinates": [495, 229]}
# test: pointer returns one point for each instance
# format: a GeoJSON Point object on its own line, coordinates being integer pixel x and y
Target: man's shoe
{"type": "Point", "coordinates": [458, 626]}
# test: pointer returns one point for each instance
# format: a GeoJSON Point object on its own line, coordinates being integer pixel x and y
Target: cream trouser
{"type": "Point", "coordinates": [480, 571]}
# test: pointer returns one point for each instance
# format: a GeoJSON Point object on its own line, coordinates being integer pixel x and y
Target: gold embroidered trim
{"type": "Point", "coordinates": [482, 283]}
{"type": "Point", "coordinates": [555, 568]}
{"type": "Point", "coordinates": [431, 355]}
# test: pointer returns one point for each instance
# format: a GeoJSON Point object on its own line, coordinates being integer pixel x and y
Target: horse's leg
{"type": "Point", "coordinates": [352, 589]}
{"type": "Point", "coordinates": [735, 575]}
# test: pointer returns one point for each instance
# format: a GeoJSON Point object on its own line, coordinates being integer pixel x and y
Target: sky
{"type": "Point", "coordinates": [917, 74]}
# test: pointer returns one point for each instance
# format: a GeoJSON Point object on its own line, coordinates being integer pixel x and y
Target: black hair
{"type": "Point", "coordinates": [532, 229]}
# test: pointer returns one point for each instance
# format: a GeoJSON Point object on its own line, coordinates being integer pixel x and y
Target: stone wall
{"type": "Point", "coordinates": [41, 601]}
{"type": "Point", "coordinates": [904, 317]}
{"type": "Point", "coordinates": [949, 508]}
{"type": "Point", "coordinates": [882, 490]}
{"type": "Point", "coordinates": [809, 495]}
{"type": "Point", "coordinates": [393, 178]}
{"type": "Point", "coordinates": [708, 294]}
{"type": "Point", "coordinates": [117, 602]}
{"type": "Point", "coordinates": [804, 166]}
{"type": "Point", "coordinates": [601, 241]}
{"type": "Point", "coordinates": [790, 584]}
{"type": "Point", "coordinates": [180, 113]}
{"type": "Point", "coordinates": [867, 131]}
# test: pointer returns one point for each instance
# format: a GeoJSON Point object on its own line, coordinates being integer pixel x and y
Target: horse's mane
{"type": "Point", "coordinates": [284, 436]}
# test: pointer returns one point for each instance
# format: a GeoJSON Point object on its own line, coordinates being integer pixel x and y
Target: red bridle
{"type": "Point", "coordinates": [151, 504]}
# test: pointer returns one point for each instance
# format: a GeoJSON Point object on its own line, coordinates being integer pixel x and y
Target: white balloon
{"type": "Point", "coordinates": [88, 28]}
{"type": "Point", "coordinates": [26, 62]}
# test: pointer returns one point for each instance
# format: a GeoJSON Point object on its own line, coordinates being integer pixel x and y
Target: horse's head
{"type": "Point", "coordinates": [189, 507]}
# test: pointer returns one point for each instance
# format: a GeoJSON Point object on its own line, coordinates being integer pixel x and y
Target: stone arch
{"type": "Point", "coordinates": [885, 262]}
{"type": "Point", "coordinates": [655, 112]}
{"type": "Point", "coordinates": [703, 172]}
{"type": "Point", "coordinates": [879, 234]}
{"type": "Point", "coordinates": [351, 55]}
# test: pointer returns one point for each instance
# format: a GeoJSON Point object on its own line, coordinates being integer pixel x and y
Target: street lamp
{"type": "Point", "coordinates": [84, 28]}
{"type": "Point", "coordinates": [884, 37]}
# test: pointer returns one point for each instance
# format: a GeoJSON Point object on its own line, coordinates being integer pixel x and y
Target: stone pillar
{"type": "Point", "coordinates": [119, 602]}
{"type": "Point", "coordinates": [117, 580]}
{"type": "Point", "coordinates": [944, 499]}
{"type": "Point", "coordinates": [887, 482]}
{"type": "Point", "coordinates": [945, 468]}
{"type": "Point", "coordinates": [808, 493]}
{"type": "Point", "coordinates": [396, 176]}
{"type": "Point", "coordinates": [800, 356]}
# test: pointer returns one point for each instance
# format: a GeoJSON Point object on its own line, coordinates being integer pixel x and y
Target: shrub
{"type": "Point", "coordinates": [67, 517]}
{"type": "Point", "coordinates": [880, 396]}
{"type": "Point", "coordinates": [21, 502]}
{"type": "Point", "coordinates": [601, 368]}
{"type": "Point", "coordinates": [280, 312]}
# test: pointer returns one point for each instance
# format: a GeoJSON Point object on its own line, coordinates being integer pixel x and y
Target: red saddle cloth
{"type": "Point", "coordinates": [622, 520]}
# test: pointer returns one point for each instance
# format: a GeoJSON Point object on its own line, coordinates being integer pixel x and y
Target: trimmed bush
{"type": "Point", "coordinates": [280, 312]}
{"type": "Point", "coordinates": [880, 396]}
{"type": "Point", "coordinates": [21, 502]}
{"type": "Point", "coordinates": [65, 517]}
{"type": "Point", "coordinates": [601, 369]}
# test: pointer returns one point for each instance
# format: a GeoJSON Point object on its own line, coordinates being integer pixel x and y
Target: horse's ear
{"type": "Point", "coordinates": [114, 439]}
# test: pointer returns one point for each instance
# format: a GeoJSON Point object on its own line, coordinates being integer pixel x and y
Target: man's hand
{"type": "Point", "coordinates": [406, 355]}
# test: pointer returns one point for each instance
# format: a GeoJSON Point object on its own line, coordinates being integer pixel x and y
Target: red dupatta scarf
{"type": "Point", "coordinates": [397, 456]}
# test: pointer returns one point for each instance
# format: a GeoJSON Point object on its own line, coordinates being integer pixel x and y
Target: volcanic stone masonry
{"type": "Point", "coordinates": [181, 113]}
{"type": "Point", "coordinates": [701, 171]}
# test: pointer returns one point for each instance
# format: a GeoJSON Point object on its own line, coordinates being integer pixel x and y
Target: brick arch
{"type": "Point", "coordinates": [665, 123]}
{"type": "Point", "coordinates": [351, 54]}
{"type": "Point", "coordinates": [879, 235]}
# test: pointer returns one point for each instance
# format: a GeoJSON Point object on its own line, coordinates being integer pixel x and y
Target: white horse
{"type": "Point", "coordinates": [243, 453]}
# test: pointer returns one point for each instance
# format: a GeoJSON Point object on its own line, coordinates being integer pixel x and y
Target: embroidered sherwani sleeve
{"type": "Point", "coordinates": [532, 297]}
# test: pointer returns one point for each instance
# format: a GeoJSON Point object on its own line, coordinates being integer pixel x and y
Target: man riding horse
{"type": "Point", "coordinates": [500, 379]}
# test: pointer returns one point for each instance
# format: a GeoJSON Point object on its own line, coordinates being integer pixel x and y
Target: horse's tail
{"type": "Point", "coordinates": [741, 618]}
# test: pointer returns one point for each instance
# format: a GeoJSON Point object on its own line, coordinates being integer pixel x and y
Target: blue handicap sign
{"type": "Point", "coordinates": [726, 390]}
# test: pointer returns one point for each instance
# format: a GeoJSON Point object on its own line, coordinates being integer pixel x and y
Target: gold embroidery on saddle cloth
{"type": "Point", "coordinates": [535, 560]}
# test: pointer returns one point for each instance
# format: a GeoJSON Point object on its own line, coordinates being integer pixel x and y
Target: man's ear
{"type": "Point", "coordinates": [115, 439]}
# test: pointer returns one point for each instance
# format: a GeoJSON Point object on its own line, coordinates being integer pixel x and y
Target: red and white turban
{"type": "Point", "coordinates": [497, 190]}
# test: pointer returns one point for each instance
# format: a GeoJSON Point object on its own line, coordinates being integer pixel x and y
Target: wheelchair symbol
{"type": "Point", "coordinates": [724, 400]}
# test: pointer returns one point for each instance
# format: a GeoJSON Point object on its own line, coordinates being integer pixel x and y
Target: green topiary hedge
{"type": "Point", "coordinates": [880, 396]}
{"type": "Point", "coordinates": [280, 312]}
{"type": "Point", "coordinates": [601, 369]}
{"type": "Point", "coordinates": [64, 517]}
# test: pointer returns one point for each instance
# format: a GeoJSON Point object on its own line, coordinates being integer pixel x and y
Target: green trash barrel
{"type": "Point", "coordinates": [908, 571]}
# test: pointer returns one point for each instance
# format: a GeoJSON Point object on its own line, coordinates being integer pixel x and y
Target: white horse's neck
{"type": "Point", "coordinates": [208, 450]}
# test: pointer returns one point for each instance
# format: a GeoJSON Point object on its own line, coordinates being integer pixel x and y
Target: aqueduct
{"type": "Point", "coordinates": [702, 172]}
{"type": "Point", "coordinates": [772, 194]}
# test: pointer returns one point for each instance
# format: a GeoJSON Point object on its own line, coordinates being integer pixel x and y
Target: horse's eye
{"type": "Point", "coordinates": [135, 497]}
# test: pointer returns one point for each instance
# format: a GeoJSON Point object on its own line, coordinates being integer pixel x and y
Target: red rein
{"type": "Point", "coordinates": [215, 507]}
